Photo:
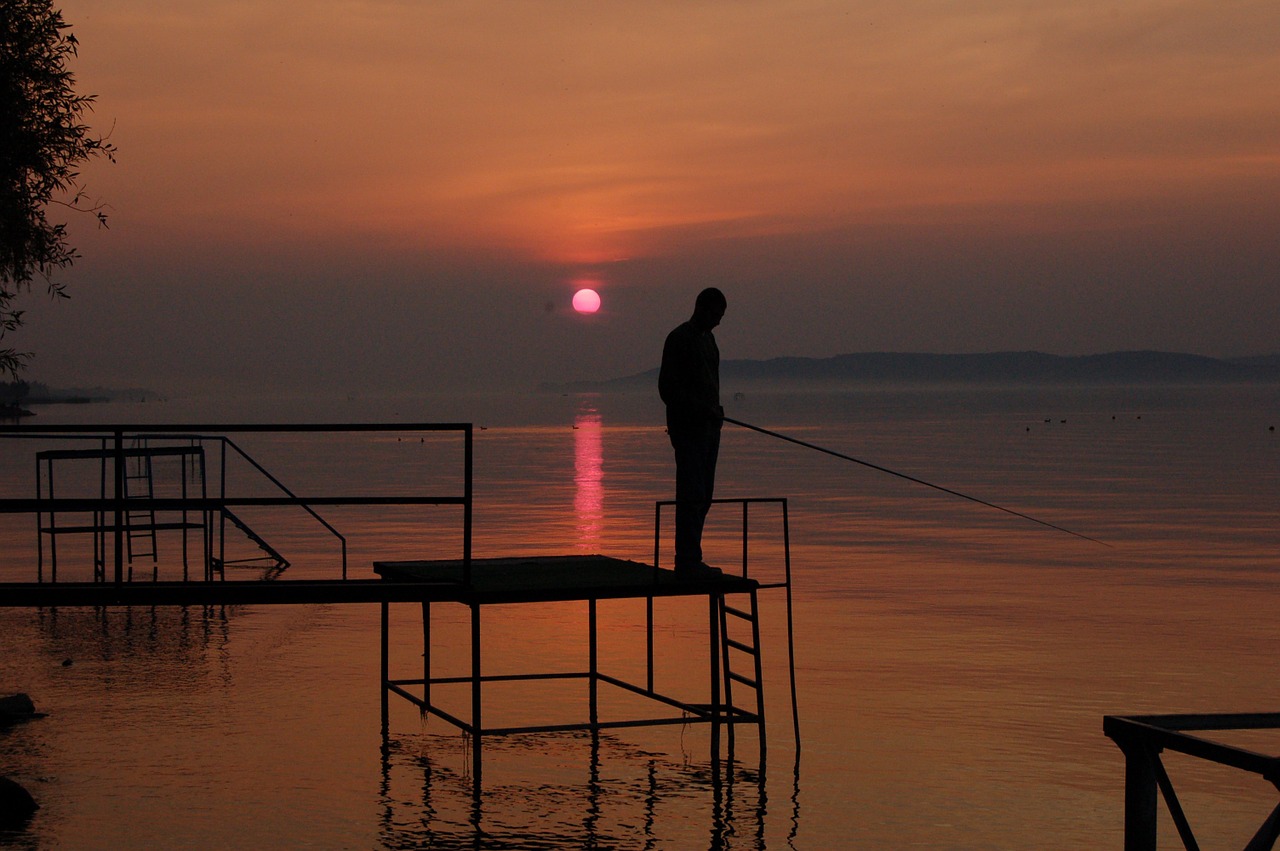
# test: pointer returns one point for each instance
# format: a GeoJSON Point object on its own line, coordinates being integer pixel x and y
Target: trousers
{"type": "Point", "coordinates": [696, 451]}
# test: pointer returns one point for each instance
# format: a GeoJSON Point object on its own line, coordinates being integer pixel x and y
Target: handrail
{"type": "Point", "coordinates": [785, 584]}
{"type": "Point", "coordinates": [113, 503]}
{"type": "Point", "coordinates": [1141, 738]}
{"type": "Point", "coordinates": [342, 539]}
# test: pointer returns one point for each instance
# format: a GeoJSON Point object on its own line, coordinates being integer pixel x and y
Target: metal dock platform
{"type": "Point", "coordinates": [123, 506]}
{"type": "Point", "coordinates": [735, 657]}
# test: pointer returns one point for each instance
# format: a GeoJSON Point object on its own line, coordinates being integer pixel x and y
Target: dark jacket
{"type": "Point", "coordinates": [689, 380]}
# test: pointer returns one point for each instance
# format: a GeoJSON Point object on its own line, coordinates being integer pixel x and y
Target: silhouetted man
{"type": "Point", "coordinates": [689, 384]}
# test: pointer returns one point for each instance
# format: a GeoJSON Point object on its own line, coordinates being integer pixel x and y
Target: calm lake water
{"type": "Point", "coordinates": [954, 663]}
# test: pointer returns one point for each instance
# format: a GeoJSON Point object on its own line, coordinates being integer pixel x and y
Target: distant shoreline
{"type": "Point", "coordinates": [20, 395]}
{"type": "Point", "coordinates": [67, 400]}
{"type": "Point", "coordinates": [16, 410]}
{"type": "Point", "coordinates": [908, 368]}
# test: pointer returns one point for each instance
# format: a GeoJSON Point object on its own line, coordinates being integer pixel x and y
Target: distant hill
{"type": "Point", "coordinates": [38, 393]}
{"type": "Point", "coordinates": [991, 368]}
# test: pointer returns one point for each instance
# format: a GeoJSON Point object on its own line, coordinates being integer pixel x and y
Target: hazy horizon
{"type": "Point", "coordinates": [342, 196]}
{"type": "Point", "coordinates": [846, 371]}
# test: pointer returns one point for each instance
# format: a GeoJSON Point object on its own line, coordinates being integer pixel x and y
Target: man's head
{"type": "Point", "coordinates": [709, 308]}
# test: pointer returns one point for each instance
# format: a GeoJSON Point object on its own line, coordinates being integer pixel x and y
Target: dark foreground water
{"type": "Point", "coordinates": [954, 663]}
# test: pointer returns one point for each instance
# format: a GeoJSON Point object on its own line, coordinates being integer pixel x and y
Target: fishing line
{"type": "Point", "coordinates": [823, 449]}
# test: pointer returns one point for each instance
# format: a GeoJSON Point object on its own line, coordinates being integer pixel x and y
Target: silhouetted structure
{"type": "Point", "coordinates": [1143, 737]}
{"type": "Point", "coordinates": [734, 683]}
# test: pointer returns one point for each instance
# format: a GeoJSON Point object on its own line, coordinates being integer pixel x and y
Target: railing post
{"type": "Point", "coordinates": [593, 663]}
{"type": "Point", "coordinates": [385, 666]}
{"type": "Point", "coordinates": [40, 532]}
{"type": "Point", "coordinates": [791, 629]}
{"type": "Point", "coordinates": [477, 701]}
{"type": "Point", "coordinates": [119, 505]}
{"type": "Point", "coordinates": [222, 514]}
{"type": "Point", "coordinates": [1139, 795]}
{"type": "Point", "coordinates": [426, 657]}
{"type": "Point", "coordinates": [648, 603]}
{"type": "Point", "coordinates": [716, 641]}
{"type": "Point", "coordinates": [467, 459]}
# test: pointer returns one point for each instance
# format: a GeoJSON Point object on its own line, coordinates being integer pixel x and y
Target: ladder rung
{"type": "Point", "coordinates": [744, 680]}
{"type": "Point", "coordinates": [746, 616]}
{"type": "Point", "coordinates": [745, 648]}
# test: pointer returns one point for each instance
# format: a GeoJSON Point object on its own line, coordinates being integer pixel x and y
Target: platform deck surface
{"type": "Point", "coordinates": [494, 580]}
{"type": "Point", "coordinates": [570, 577]}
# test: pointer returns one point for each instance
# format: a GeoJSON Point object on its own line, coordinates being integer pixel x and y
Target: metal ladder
{"type": "Point", "coordinates": [140, 523]}
{"type": "Point", "coordinates": [742, 646]}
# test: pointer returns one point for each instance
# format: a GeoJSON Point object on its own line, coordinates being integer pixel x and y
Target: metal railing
{"type": "Point", "coordinates": [1143, 737]}
{"type": "Point", "coordinates": [227, 443]}
{"type": "Point", "coordinates": [114, 502]}
{"type": "Point", "coordinates": [745, 572]}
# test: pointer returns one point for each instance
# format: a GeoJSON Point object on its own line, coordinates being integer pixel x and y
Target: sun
{"type": "Point", "coordinates": [586, 300]}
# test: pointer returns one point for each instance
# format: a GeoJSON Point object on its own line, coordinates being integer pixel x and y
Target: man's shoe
{"type": "Point", "coordinates": [698, 570]}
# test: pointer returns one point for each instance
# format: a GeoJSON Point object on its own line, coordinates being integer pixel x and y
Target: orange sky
{"type": "Point", "coordinates": [941, 149]}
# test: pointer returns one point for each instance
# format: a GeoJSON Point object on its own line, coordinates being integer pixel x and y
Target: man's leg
{"type": "Point", "coordinates": [696, 455]}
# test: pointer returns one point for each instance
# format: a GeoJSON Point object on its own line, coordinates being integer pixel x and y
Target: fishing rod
{"type": "Point", "coordinates": [823, 449]}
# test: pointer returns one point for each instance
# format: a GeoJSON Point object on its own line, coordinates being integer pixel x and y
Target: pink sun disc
{"type": "Point", "coordinates": [586, 301]}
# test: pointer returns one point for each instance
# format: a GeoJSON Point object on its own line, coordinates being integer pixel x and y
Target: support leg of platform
{"type": "Point", "coordinates": [648, 610]}
{"type": "Point", "coordinates": [593, 665]}
{"type": "Point", "coordinates": [1140, 797]}
{"type": "Point", "coordinates": [476, 702]}
{"type": "Point", "coordinates": [385, 666]}
{"type": "Point", "coordinates": [119, 507]}
{"type": "Point", "coordinates": [426, 657]}
{"type": "Point", "coordinates": [714, 655]}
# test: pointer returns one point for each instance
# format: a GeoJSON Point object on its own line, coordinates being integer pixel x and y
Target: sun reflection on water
{"type": "Point", "coordinates": [588, 476]}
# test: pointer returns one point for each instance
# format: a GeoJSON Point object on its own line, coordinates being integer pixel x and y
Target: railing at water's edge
{"type": "Point", "coordinates": [1143, 737]}
{"type": "Point", "coordinates": [228, 443]}
{"type": "Point", "coordinates": [116, 504]}
{"type": "Point", "coordinates": [745, 571]}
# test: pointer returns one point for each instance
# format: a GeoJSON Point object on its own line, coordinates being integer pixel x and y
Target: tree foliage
{"type": "Point", "coordinates": [43, 142]}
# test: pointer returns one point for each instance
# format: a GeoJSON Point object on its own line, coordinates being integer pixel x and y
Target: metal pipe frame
{"type": "Point", "coordinates": [715, 713]}
{"type": "Point", "coordinates": [785, 585]}
{"type": "Point", "coordinates": [112, 441]}
{"type": "Point", "coordinates": [1143, 737]}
